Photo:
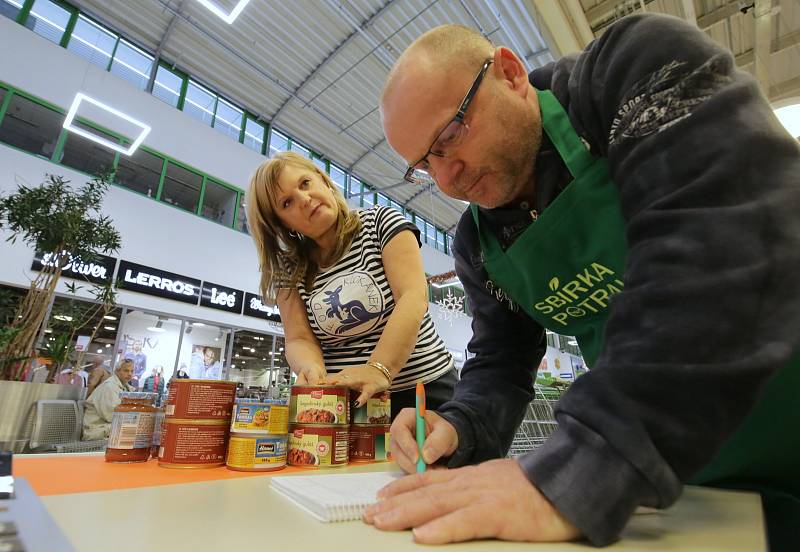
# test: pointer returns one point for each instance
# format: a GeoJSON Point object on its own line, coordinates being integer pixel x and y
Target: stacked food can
{"type": "Point", "coordinates": [319, 420]}
{"type": "Point", "coordinates": [369, 431]}
{"type": "Point", "coordinates": [259, 434]}
{"type": "Point", "coordinates": [196, 424]}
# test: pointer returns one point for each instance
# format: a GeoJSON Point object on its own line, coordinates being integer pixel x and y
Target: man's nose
{"type": "Point", "coordinates": [446, 170]}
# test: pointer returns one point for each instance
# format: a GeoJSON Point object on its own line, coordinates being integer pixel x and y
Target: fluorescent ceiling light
{"type": "Point", "coordinates": [73, 110]}
{"type": "Point", "coordinates": [199, 324]}
{"type": "Point", "coordinates": [109, 317]}
{"type": "Point", "coordinates": [155, 329]}
{"type": "Point", "coordinates": [110, 328]}
{"type": "Point", "coordinates": [226, 17]}
{"type": "Point", "coordinates": [789, 116]}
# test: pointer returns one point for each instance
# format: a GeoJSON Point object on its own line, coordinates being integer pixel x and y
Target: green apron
{"type": "Point", "coordinates": [563, 271]}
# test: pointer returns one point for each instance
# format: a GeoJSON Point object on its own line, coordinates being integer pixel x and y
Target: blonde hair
{"type": "Point", "coordinates": [285, 259]}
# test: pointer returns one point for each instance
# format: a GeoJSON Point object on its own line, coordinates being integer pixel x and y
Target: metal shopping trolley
{"type": "Point", "coordinates": [539, 421]}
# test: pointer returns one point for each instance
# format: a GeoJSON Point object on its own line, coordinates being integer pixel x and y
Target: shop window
{"type": "Point", "coordinates": [320, 163]}
{"type": "Point", "coordinates": [31, 127]}
{"type": "Point", "coordinates": [48, 19]}
{"type": "Point", "coordinates": [396, 206]}
{"type": "Point", "coordinates": [383, 200]}
{"type": "Point", "coordinates": [302, 150]}
{"type": "Point", "coordinates": [140, 172]}
{"type": "Point", "coordinates": [167, 86]}
{"type": "Point", "coordinates": [204, 350]}
{"type": "Point", "coordinates": [254, 135]}
{"type": "Point", "coordinates": [10, 8]}
{"type": "Point", "coordinates": [219, 203]}
{"type": "Point", "coordinates": [277, 142]}
{"type": "Point", "coordinates": [421, 224]}
{"type": "Point", "coordinates": [253, 361]}
{"type": "Point", "coordinates": [132, 64]}
{"type": "Point", "coordinates": [241, 216]}
{"type": "Point", "coordinates": [409, 216]}
{"type": "Point", "coordinates": [228, 119]}
{"type": "Point", "coordinates": [151, 342]}
{"type": "Point", "coordinates": [93, 42]}
{"type": "Point", "coordinates": [440, 240]}
{"type": "Point", "coordinates": [87, 155]}
{"type": "Point", "coordinates": [339, 177]}
{"type": "Point", "coordinates": [200, 103]}
{"type": "Point", "coordinates": [355, 188]}
{"type": "Point", "coordinates": [181, 187]}
{"type": "Point", "coordinates": [431, 235]}
{"type": "Point", "coordinates": [368, 199]}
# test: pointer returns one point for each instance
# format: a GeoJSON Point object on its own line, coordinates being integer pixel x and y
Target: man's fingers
{"type": "Point", "coordinates": [418, 507]}
{"type": "Point", "coordinates": [466, 523]}
{"type": "Point", "coordinates": [439, 441]}
{"type": "Point", "coordinates": [415, 481]}
{"type": "Point", "coordinates": [403, 443]}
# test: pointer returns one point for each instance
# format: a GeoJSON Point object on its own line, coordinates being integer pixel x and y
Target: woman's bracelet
{"type": "Point", "coordinates": [383, 369]}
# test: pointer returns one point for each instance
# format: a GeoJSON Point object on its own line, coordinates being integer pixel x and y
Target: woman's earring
{"type": "Point", "coordinates": [295, 235]}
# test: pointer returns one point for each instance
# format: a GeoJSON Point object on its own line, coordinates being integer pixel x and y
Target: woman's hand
{"type": "Point", "coordinates": [311, 375]}
{"type": "Point", "coordinates": [362, 378]}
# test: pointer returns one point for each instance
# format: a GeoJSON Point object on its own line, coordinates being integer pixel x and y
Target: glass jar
{"type": "Point", "coordinates": [132, 425]}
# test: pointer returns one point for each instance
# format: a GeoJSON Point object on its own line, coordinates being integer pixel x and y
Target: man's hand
{"type": "Point", "coordinates": [441, 440]}
{"type": "Point", "coordinates": [491, 500]}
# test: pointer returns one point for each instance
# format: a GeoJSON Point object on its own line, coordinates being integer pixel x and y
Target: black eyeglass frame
{"type": "Point", "coordinates": [458, 118]}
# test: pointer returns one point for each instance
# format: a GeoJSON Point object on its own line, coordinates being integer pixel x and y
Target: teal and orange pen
{"type": "Point", "coordinates": [420, 425]}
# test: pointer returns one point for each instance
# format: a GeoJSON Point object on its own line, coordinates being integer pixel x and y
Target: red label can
{"type": "Point", "coordinates": [193, 443]}
{"type": "Point", "coordinates": [369, 443]}
{"type": "Point", "coordinates": [319, 404]}
{"type": "Point", "coordinates": [200, 399]}
{"type": "Point", "coordinates": [317, 446]}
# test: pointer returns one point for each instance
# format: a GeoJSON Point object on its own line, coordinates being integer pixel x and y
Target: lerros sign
{"type": "Point", "coordinates": [149, 280]}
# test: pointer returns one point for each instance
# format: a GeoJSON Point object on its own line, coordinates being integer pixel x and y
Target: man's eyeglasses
{"type": "Point", "coordinates": [450, 136]}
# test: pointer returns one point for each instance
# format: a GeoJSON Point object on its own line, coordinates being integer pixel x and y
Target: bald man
{"type": "Point", "coordinates": [642, 197]}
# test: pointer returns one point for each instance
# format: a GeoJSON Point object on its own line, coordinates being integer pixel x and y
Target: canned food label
{"type": "Point", "coordinates": [191, 444]}
{"type": "Point", "coordinates": [310, 449]}
{"type": "Point", "coordinates": [377, 410]}
{"type": "Point", "coordinates": [131, 430]}
{"type": "Point", "coordinates": [269, 418]}
{"type": "Point", "coordinates": [264, 451]}
{"type": "Point", "coordinates": [317, 408]}
{"type": "Point", "coordinates": [369, 444]}
{"type": "Point", "coordinates": [157, 428]}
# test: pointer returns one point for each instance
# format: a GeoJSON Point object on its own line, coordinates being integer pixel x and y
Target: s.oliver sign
{"type": "Point", "coordinates": [253, 306]}
{"type": "Point", "coordinates": [145, 279]}
{"type": "Point", "coordinates": [98, 271]}
{"type": "Point", "coordinates": [222, 298]}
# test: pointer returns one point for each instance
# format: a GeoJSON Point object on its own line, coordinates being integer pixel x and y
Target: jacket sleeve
{"type": "Point", "coordinates": [496, 384]}
{"type": "Point", "coordinates": [709, 188]}
{"type": "Point", "coordinates": [106, 401]}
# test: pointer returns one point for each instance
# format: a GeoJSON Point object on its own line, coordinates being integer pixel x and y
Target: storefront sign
{"type": "Point", "coordinates": [222, 298]}
{"type": "Point", "coordinates": [145, 279]}
{"type": "Point", "coordinates": [253, 306]}
{"type": "Point", "coordinates": [98, 271]}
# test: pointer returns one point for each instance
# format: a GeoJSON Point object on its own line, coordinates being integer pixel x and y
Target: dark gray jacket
{"type": "Point", "coordinates": [710, 188]}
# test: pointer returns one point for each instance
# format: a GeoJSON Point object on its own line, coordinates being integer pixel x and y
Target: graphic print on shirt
{"type": "Point", "coordinates": [666, 97]}
{"type": "Point", "coordinates": [348, 305]}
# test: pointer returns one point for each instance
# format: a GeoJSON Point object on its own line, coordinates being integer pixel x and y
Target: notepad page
{"type": "Point", "coordinates": [334, 497]}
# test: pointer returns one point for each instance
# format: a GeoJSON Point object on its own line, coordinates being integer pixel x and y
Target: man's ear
{"type": "Point", "coordinates": [510, 71]}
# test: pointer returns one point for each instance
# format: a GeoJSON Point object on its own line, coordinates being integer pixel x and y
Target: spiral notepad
{"type": "Point", "coordinates": [334, 497]}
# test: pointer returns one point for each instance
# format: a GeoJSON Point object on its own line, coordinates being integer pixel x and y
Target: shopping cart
{"type": "Point", "coordinates": [539, 421]}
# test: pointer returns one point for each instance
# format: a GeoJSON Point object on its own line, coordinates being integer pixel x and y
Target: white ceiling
{"type": "Point", "coordinates": [315, 68]}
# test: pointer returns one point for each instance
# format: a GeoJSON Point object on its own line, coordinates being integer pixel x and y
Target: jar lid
{"type": "Point", "coordinates": [138, 395]}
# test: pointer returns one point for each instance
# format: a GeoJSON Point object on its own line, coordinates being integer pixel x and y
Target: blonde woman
{"type": "Point", "coordinates": [349, 285]}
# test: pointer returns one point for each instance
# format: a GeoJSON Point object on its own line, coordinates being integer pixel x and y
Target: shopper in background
{"type": "Point", "coordinates": [97, 374]}
{"type": "Point", "coordinates": [99, 408]}
{"type": "Point", "coordinates": [349, 285]}
{"type": "Point", "coordinates": [139, 359]}
{"type": "Point", "coordinates": [154, 383]}
{"type": "Point", "coordinates": [656, 219]}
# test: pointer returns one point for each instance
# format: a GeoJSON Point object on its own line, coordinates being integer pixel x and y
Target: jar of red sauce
{"type": "Point", "coordinates": [132, 428]}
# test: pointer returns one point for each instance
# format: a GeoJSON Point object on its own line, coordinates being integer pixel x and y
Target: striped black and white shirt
{"type": "Point", "coordinates": [351, 302]}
